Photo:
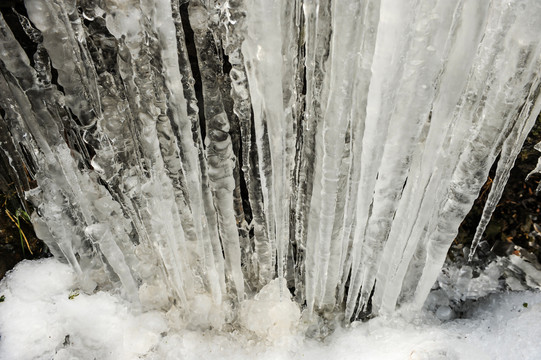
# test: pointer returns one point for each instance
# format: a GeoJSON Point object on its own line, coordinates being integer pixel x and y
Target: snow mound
{"type": "Point", "coordinates": [271, 314]}
{"type": "Point", "coordinates": [44, 317]}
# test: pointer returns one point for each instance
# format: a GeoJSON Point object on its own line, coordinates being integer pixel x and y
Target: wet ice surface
{"type": "Point", "coordinates": [42, 317]}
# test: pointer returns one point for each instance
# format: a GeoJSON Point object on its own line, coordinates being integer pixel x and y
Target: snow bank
{"type": "Point", "coordinates": [41, 317]}
{"type": "Point", "coordinates": [44, 317]}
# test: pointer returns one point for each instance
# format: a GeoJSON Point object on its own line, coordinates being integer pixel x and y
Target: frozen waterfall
{"type": "Point", "coordinates": [174, 149]}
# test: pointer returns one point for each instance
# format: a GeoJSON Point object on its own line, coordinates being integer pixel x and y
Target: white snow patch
{"type": "Point", "coordinates": [39, 320]}
{"type": "Point", "coordinates": [44, 317]}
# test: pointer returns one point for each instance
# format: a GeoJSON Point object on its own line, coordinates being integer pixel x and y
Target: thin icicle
{"type": "Point", "coordinates": [510, 150]}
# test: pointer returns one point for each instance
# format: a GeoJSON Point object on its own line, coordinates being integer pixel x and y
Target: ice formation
{"type": "Point", "coordinates": [191, 153]}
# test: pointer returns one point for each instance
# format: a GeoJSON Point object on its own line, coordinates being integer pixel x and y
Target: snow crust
{"type": "Point", "coordinates": [43, 316]}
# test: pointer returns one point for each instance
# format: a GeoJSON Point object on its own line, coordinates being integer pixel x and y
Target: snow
{"type": "Point", "coordinates": [44, 316]}
{"type": "Point", "coordinates": [270, 314]}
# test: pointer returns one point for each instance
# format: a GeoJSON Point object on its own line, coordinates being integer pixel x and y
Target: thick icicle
{"type": "Point", "coordinates": [262, 50]}
{"type": "Point", "coordinates": [219, 149]}
{"type": "Point", "coordinates": [233, 35]}
{"type": "Point", "coordinates": [332, 141]}
{"type": "Point", "coordinates": [317, 32]}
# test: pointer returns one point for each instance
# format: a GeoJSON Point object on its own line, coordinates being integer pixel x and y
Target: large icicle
{"type": "Point", "coordinates": [262, 50]}
{"type": "Point", "coordinates": [317, 30]}
{"type": "Point", "coordinates": [233, 15]}
{"type": "Point", "coordinates": [344, 51]}
{"type": "Point", "coordinates": [219, 149]}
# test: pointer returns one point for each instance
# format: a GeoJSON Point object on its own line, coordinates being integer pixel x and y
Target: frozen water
{"type": "Point", "coordinates": [192, 154]}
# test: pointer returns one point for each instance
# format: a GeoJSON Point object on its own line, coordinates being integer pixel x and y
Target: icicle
{"type": "Point", "coordinates": [537, 169]}
{"type": "Point", "coordinates": [219, 148]}
{"type": "Point", "coordinates": [200, 203]}
{"type": "Point", "coordinates": [318, 34]}
{"type": "Point", "coordinates": [510, 150]}
{"type": "Point", "coordinates": [334, 127]}
{"type": "Point", "coordinates": [390, 44]}
{"type": "Point", "coordinates": [234, 26]}
{"type": "Point", "coordinates": [416, 209]}
{"type": "Point", "coordinates": [263, 61]}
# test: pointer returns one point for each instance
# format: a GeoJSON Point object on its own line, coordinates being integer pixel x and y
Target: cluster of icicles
{"type": "Point", "coordinates": [176, 148]}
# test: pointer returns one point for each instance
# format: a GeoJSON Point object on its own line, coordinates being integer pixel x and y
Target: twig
{"type": "Point", "coordinates": [20, 230]}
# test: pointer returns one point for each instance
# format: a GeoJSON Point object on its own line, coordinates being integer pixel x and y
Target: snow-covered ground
{"type": "Point", "coordinates": [42, 317]}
